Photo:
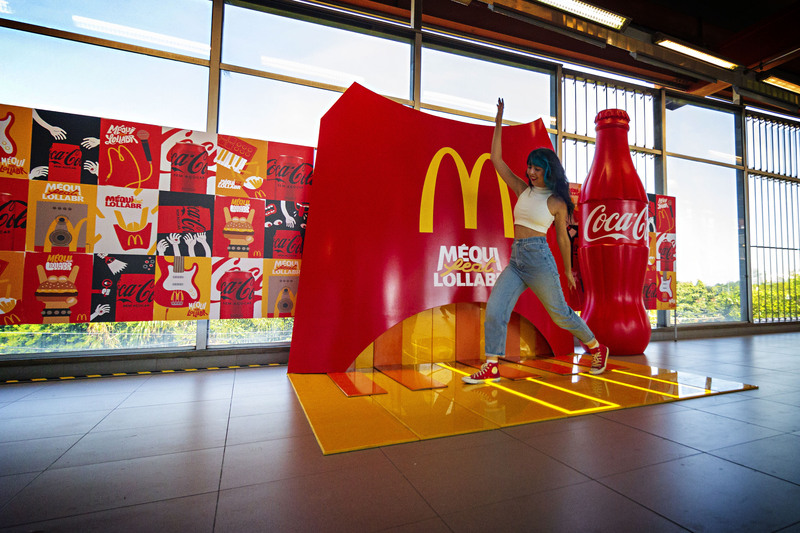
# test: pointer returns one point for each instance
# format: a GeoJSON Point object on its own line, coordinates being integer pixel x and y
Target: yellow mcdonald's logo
{"type": "Point", "coordinates": [469, 192]}
{"type": "Point", "coordinates": [135, 240]}
{"type": "Point", "coordinates": [257, 253]}
{"type": "Point", "coordinates": [83, 318]}
{"type": "Point", "coordinates": [11, 319]}
{"type": "Point", "coordinates": [177, 296]}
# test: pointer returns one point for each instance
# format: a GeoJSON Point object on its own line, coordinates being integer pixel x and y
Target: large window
{"type": "Point", "coordinates": [709, 219]}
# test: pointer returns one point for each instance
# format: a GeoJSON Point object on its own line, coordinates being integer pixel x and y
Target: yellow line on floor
{"type": "Point", "coordinates": [634, 386]}
{"type": "Point", "coordinates": [662, 380]}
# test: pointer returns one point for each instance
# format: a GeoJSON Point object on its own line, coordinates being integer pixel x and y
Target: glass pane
{"type": "Point", "coordinates": [300, 49]}
{"type": "Point", "coordinates": [260, 108]}
{"type": "Point", "coordinates": [49, 73]}
{"type": "Point", "coordinates": [707, 225]}
{"type": "Point", "coordinates": [474, 85]}
{"type": "Point", "coordinates": [46, 338]}
{"type": "Point", "coordinates": [701, 132]}
{"type": "Point", "coordinates": [250, 331]}
{"type": "Point", "coordinates": [178, 26]}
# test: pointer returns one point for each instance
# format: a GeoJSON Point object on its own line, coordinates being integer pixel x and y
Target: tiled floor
{"type": "Point", "coordinates": [232, 451]}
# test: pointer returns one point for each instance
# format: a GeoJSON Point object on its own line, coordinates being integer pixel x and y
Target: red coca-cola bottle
{"type": "Point", "coordinates": [613, 246]}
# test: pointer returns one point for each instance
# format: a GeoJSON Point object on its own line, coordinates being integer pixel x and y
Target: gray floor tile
{"type": "Point", "coordinates": [705, 493]}
{"type": "Point", "coordinates": [770, 456]}
{"type": "Point", "coordinates": [34, 455]}
{"type": "Point", "coordinates": [40, 427]}
{"type": "Point", "coordinates": [86, 489]}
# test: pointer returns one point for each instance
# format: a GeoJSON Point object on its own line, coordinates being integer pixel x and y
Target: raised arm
{"type": "Point", "coordinates": [517, 184]}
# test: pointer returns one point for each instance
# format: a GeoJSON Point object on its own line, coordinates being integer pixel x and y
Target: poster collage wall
{"type": "Point", "coordinates": [660, 280]}
{"type": "Point", "coordinates": [107, 220]}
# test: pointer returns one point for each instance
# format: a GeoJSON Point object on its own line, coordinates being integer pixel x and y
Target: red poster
{"type": "Point", "coordinates": [123, 288]}
{"type": "Point", "coordinates": [236, 288]}
{"type": "Point", "coordinates": [290, 170]}
{"type": "Point", "coordinates": [129, 154]}
{"type": "Point", "coordinates": [13, 213]}
{"type": "Point", "coordinates": [187, 161]}
{"type": "Point", "coordinates": [57, 287]}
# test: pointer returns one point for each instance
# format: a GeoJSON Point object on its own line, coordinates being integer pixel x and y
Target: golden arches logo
{"type": "Point", "coordinates": [11, 319]}
{"type": "Point", "coordinates": [469, 192]}
{"type": "Point", "coordinates": [135, 241]}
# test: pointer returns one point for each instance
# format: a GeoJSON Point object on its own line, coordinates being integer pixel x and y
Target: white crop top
{"type": "Point", "coordinates": [531, 210]}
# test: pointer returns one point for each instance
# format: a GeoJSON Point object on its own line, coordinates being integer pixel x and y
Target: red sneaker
{"type": "Point", "coordinates": [599, 359]}
{"type": "Point", "coordinates": [489, 371]}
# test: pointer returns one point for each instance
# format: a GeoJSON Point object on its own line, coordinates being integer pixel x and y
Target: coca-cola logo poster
{"type": "Point", "coordinates": [284, 228]}
{"type": "Point", "coordinates": [238, 227]}
{"type": "Point", "coordinates": [290, 170]}
{"type": "Point", "coordinates": [236, 288]}
{"type": "Point", "coordinates": [61, 217]}
{"type": "Point", "coordinates": [57, 287]}
{"type": "Point", "coordinates": [187, 161]}
{"type": "Point", "coordinates": [183, 288]}
{"type": "Point", "coordinates": [185, 224]}
{"type": "Point", "coordinates": [282, 283]}
{"type": "Point", "coordinates": [15, 141]}
{"type": "Point", "coordinates": [126, 220]}
{"type": "Point", "coordinates": [123, 286]}
{"type": "Point", "coordinates": [12, 266]}
{"type": "Point", "coordinates": [660, 278]}
{"type": "Point", "coordinates": [439, 231]}
{"type": "Point", "coordinates": [241, 166]}
{"type": "Point", "coordinates": [65, 147]}
{"type": "Point", "coordinates": [129, 154]}
{"type": "Point", "coordinates": [13, 213]}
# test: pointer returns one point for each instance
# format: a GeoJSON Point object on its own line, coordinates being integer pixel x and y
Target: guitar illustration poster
{"type": "Point", "coordinates": [129, 154]}
{"type": "Point", "coordinates": [185, 224]}
{"type": "Point", "coordinates": [15, 141]}
{"type": "Point", "coordinates": [126, 220]}
{"type": "Point", "coordinates": [61, 217]}
{"type": "Point", "coordinates": [64, 147]}
{"type": "Point", "coordinates": [241, 166]}
{"type": "Point", "coordinates": [236, 287]}
{"type": "Point", "coordinates": [13, 213]}
{"type": "Point", "coordinates": [183, 288]}
{"type": "Point", "coordinates": [123, 287]}
{"type": "Point", "coordinates": [12, 265]}
{"type": "Point", "coordinates": [57, 287]}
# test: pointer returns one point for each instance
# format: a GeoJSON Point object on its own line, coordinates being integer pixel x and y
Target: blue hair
{"type": "Point", "coordinates": [537, 160]}
{"type": "Point", "coordinates": [555, 178]}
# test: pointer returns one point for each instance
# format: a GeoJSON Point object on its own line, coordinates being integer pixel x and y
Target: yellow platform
{"type": "Point", "coordinates": [398, 414]}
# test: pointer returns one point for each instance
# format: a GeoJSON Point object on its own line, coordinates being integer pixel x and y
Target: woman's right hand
{"type": "Point", "coordinates": [500, 106]}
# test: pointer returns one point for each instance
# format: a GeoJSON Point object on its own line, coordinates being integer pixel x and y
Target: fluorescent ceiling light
{"type": "Point", "coordinates": [783, 84]}
{"type": "Point", "coordinates": [160, 39]}
{"type": "Point", "coordinates": [589, 12]}
{"type": "Point", "coordinates": [697, 54]}
{"type": "Point", "coordinates": [310, 71]}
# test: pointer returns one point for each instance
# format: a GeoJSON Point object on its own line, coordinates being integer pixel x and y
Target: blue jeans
{"type": "Point", "coordinates": [532, 266]}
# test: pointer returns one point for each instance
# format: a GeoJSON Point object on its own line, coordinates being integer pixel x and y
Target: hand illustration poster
{"type": "Point", "coordinates": [123, 287]}
{"type": "Point", "coordinates": [64, 147]}
{"type": "Point", "coordinates": [185, 224]}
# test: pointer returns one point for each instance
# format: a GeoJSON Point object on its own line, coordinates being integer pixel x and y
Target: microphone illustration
{"type": "Point", "coordinates": [144, 135]}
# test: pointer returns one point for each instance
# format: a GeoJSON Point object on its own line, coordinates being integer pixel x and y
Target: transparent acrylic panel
{"type": "Point", "coordinates": [707, 226]}
{"type": "Point", "coordinates": [324, 54]}
{"type": "Point", "coordinates": [250, 331]}
{"type": "Point", "coordinates": [577, 156]}
{"type": "Point", "coordinates": [701, 132]}
{"type": "Point", "coordinates": [474, 85]}
{"type": "Point", "coordinates": [47, 338]}
{"type": "Point", "coordinates": [49, 73]}
{"type": "Point", "coordinates": [260, 108]}
{"type": "Point", "coordinates": [177, 26]}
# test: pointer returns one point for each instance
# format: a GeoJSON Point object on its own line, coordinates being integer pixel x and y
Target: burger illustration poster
{"type": "Point", "coordinates": [241, 167]}
{"type": "Point", "coordinates": [57, 287]}
{"type": "Point", "coordinates": [12, 265]}
{"type": "Point", "coordinates": [126, 220]}
{"type": "Point", "coordinates": [61, 217]}
{"type": "Point", "coordinates": [238, 227]}
{"type": "Point", "coordinates": [129, 154]}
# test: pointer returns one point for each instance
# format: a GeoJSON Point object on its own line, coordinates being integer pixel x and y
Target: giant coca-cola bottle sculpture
{"type": "Point", "coordinates": [613, 247]}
